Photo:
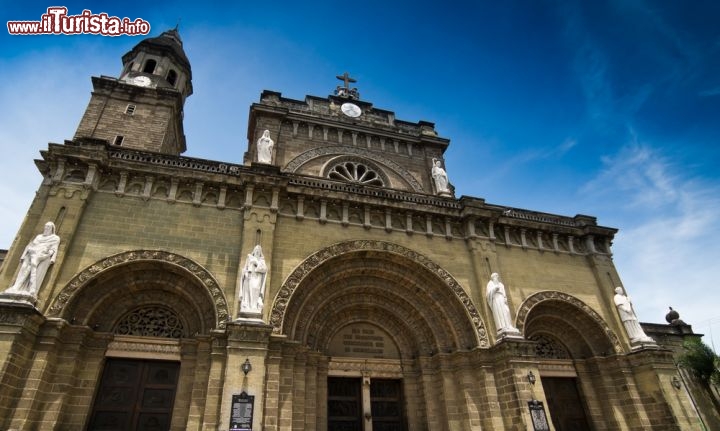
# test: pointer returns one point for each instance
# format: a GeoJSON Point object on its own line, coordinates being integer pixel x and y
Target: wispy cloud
{"type": "Point", "coordinates": [642, 175]}
{"type": "Point", "coordinates": [667, 247]}
{"type": "Point", "coordinates": [710, 92]}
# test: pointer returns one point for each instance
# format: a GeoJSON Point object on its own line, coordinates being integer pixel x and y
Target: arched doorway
{"type": "Point", "coordinates": [380, 323]}
{"type": "Point", "coordinates": [571, 338]}
{"type": "Point", "coordinates": [151, 315]}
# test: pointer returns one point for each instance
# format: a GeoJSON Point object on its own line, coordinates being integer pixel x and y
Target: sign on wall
{"type": "Point", "coordinates": [241, 414]}
{"type": "Point", "coordinates": [537, 413]}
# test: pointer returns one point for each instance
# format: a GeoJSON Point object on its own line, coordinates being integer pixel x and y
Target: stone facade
{"type": "Point", "coordinates": [373, 277]}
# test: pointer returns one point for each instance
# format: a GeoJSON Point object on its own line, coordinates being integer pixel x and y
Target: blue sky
{"type": "Point", "coordinates": [610, 108]}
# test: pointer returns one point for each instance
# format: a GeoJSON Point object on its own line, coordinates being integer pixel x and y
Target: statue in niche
{"type": "Point", "coordinates": [37, 257]}
{"type": "Point", "coordinates": [265, 148]}
{"type": "Point", "coordinates": [497, 300]}
{"type": "Point", "coordinates": [252, 283]}
{"type": "Point", "coordinates": [442, 185]}
{"type": "Point", "coordinates": [629, 318]}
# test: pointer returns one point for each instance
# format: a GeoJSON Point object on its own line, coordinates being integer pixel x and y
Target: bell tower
{"type": "Point", "coordinates": [143, 108]}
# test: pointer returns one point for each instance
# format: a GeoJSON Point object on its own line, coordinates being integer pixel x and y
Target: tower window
{"type": "Point", "coordinates": [118, 140]}
{"type": "Point", "coordinates": [150, 66]}
{"type": "Point", "coordinates": [172, 77]}
{"type": "Point", "coordinates": [130, 110]}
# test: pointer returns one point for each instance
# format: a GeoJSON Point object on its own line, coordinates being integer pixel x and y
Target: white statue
{"type": "Point", "coordinates": [265, 148]}
{"type": "Point", "coordinates": [497, 300]}
{"type": "Point", "coordinates": [38, 255]}
{"type": "Point", "coordinates": [252, 283]}
{"type": "Point", "coordinates": [440, 177]}
{"type": "Point", "coordinates": [629, 318]}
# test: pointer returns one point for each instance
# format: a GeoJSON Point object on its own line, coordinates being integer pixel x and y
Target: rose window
{"type": "Point", "coordinates": [354, 172]}
{"type": "Point", "coordinates": [549, 348]}
{"type": "Point", "coordinates": [151, 321]}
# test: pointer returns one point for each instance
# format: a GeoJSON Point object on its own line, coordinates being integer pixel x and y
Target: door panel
{"type": "Point", "coordinates": [344, 404]}
{"type": "Point", "coordinates": [566, 406]}
{"type": "Point", "coordinates": [135, 395]}
{"type": "Point", "coordinates": [386, 405]}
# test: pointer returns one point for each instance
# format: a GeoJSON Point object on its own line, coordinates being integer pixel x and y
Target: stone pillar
{"type": "Point", "coordinates": [246, 340]}
{"type": "Point", "coordinates": [19, 328]}
{"type": "Point", "coordinates": [513, 358]}
{"type": "Point", "coordinates": [200, 378]}
{"type": "Point", "coordinates": [215, 380]}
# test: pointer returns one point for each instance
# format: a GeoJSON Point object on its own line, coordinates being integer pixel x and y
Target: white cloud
{"type": "Point", "coordinates": [667, 249]}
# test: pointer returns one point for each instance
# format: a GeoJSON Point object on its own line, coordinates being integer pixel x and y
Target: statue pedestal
{"type": "Point", "coordinates": [511, 333]}
{"type": "Point", "coordinates": [643, 344]}
{"type": "Point", "coordinates": [18, 298]}
{"type": "Point", "coordinates": [249, 316]}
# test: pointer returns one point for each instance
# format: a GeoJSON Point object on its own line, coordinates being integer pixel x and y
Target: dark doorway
{"type": "Point", "coordinates": [386, 405]}
{"type": "Point", "coordinates": [344, 404]}
{"type": "Point", "coordinates": [135, 395]}
{"type": "Point", "coordinates": [565, 403]}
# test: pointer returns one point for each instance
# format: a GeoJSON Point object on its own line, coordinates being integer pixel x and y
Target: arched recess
{"type": "Point", "coordinates": [565, 319]}
{"type": "Point", "coordinates": [295, 165]}
{"type": "Point", "coordinates": [379, 283]}
{"type": "Point", "coordinates": [103, 293]}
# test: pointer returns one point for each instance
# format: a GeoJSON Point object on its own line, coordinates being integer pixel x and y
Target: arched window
{"type": "Point", "coordinates": [355, 172]}
{"type": "Point", "coordinates": [172, 77]}
{"type": "Point", "coordinates": [150, 66]}
{"type": "Point", "coordinates": [151, 321]}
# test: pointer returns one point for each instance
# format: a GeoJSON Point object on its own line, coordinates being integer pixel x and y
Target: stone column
{"type": "Point", "coordinates": [246, 340]}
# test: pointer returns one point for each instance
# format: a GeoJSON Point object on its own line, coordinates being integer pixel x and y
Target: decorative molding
{"type": "Point", "coordinates": [201, 275]}
{"type": "Point", "coordinates": [151, 321]}
{"type": "Point", "coordinates": [303, 158]}
{"type": "Point", "coordinates": [280, 303]}
{"type": "Point", "coordinates": [551, 295]}
{"type": "Point", "coordinates": [134, 347]}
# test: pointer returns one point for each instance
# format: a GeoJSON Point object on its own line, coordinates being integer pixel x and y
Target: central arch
{"type": "Point", "coordinates": [381, 283]}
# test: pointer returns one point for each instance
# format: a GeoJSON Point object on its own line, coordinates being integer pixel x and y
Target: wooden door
{"type": "Point", "coordinates": [344, 404]}
{"type": "Point", "coordinates": [135, 395]}
{"type": "Point", "coordinates": [387, 405]}
{"type": "Point", "coordinates": [565, 404]}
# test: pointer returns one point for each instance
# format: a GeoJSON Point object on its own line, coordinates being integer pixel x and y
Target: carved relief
{"type": "Point", "coordinates": [549, 348]}
{"type": "Point", "coordinates": [151, 321]}
{"type": "Point", "coordinates": [200, 273]}
{"type": "Point", "coordinates": [282, 298]}
{"type": "Point", "coordinates": [551, 295]}
{"type": "Point", "coordinates": [305, 157]}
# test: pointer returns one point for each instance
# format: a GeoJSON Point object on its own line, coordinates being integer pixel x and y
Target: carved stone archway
{"type": "Point", "coordinates": [307, 156]}
{"type": "Point", "coordinates": [161, 269]}
{"type": "Point", "coordinates": [416, 290]}
{"type": "Point", "coordinates": [568, 307]}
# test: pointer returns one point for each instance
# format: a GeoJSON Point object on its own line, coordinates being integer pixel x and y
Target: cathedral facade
{"type": "Point", "coordinates": [331, 281]}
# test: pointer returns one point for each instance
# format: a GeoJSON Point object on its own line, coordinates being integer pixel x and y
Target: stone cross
{"type": "Point", "coordinates": [346, 79]}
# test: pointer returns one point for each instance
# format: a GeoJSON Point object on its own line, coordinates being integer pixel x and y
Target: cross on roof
{"type": "Point", "coordinates": [346, 79]}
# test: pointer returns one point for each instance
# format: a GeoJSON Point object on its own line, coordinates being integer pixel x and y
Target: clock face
{"type": "Point", "coordinates": [142, 81]}
{"type": "Point", "coordinates": [351, 110]}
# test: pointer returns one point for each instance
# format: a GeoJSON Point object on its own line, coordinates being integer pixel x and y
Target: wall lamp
{"type": "Point", "coordinates": [246, 367]}
{"type": "Point", "coordinates": [531, 377]}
